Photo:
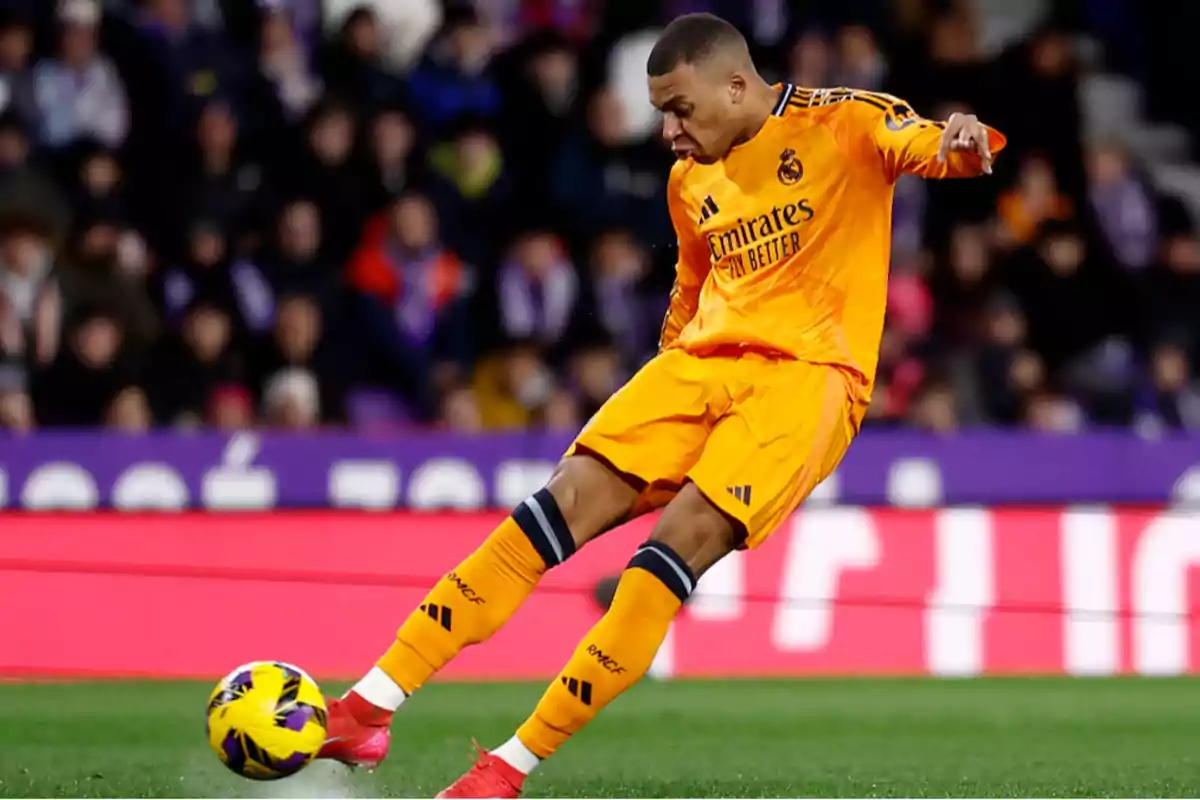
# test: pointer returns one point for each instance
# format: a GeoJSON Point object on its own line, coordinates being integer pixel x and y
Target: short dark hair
{"type": "Point", "coordinates": [692, 39]}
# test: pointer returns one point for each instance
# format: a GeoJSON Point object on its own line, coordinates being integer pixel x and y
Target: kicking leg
{"type": "Point", "coordinates": [474, 599]}
{"type": "Point", "coordinates": [690, 537]}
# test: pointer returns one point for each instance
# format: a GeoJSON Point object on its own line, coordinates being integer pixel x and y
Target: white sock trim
{"type": "Point", "coordinates": [517, 755]}
{"type": "Point", "coordinates": [378, 689]}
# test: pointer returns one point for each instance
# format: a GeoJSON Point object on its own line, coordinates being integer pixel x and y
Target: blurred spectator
{"type": "Point", "coordinates": [1170, 398]}
{"type": "Point", "coordinates": [1076, 322]}
{"type": "Point", "coordinates": [191, 364]}
{"type": "Point", "coordinates": [962, 284]}
{"type": "Point", "coordinates": [326, 173]}
{"type": "Point", "coordinates": [78, 92]}
{"type": "Point", "coordinates": [130, 412]}
{"type": "Point", "coordinates": [955, 71]}
{"type": "Point", "coordinates": [1047, 412]}
{"type": "Point", "coordinates": [1068, 294]}
{"type": "Point", "coordinates": [98, 190]}
{"type": "Point", "coordinates": [179, 64]}
{"type": "Point", "coordinates": [389, 166]}
{"type": "Point", "coordinates": [452, 81]}
{"type": "Point", "coordinates": [284, 68]}
{"type": "Point", "coordinates": [571, 19]}
{"type": "Point", "coordinates": [16, 407]}
{"type": "Point", "coordinates": [100, 273]}
{"type": "Point", "coordinates": [25, 189]}
{"type": "Point", "coordinates": [860, 64]}
{"type": "Point", "coordinates": [629, 313]}
{"type": "Point", "coordinates": [603, 179]}
{"type": "Point", "coordinates": [514, 386]}
{"type": "Point", "coordinates": [80, 386]}
{"type": "Point", "coordinates": [231, 408]}
{"type": "Point", "coordinates": [221, 180]}
{"type": "Point", "coordinates": [908, 215]}
{"type": "Point", "coordinates": [538, 289]}
{"type": "Point", "coordinates": [293, 263]}
{"type": "Point", "coordinates": [909, 303]}
{"type": "Point", "coordinates": [1008, 371]}
{"type": "Point", "coordinates": [473, 191]}
{"type": "Point", "coordinates": [811, 61]}
{"type": "Point", "coordinates": [562, 414]}
{"type": "Point", "coordinates": [899, 376]}
{"type": "Point", "coordinates": [539, 108]}
{"type": "Point", "coordinates": [296, 343]}
{"type": "Point", "coordinates": [406, 26]}
{"type": "Point", "coordinates": [412, 302]}
{"type": "Point", "coordinates": [460, 411]}
{"type": "Point", "coordinates": [30, 295]}
{"type": "Point", "coordinates": [1034, 200]}
{"type": "Point", "coordinates": [933, 409]}
{"type": "Point", "coordinates": [1171, 295]}
{"type": "Point", "coordinates": [203, 275]}
{"type": "Point", "coordinates": [1041, 73]}
{"type": "Point", "coordinates": [595, 373]}
{"type": "Point", "coordinates": [291, 400]}
{"type": "Point", "coordinates": [16, 75]}
{"type": "Point", "coordinates": [1123, 208]}
{"type": "Point", "coordinates": [354, 66]}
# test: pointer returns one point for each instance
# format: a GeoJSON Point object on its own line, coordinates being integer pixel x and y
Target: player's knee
{"type": "Point", "coordinates": [580, 502]}
{"type": "Point", "coordinates": [695, 529]}
{"type": "Point", "coordinates": [541, 520]}
{"type": "Point", "coordinates": [590, 496]}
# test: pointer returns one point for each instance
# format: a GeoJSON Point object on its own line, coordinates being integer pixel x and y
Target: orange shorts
{"type": "Point", "coordinates": [755, 433]}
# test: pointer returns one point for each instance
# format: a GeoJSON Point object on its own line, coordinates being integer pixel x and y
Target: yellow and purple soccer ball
{"type": "Point", "coordinates": [266, 720]}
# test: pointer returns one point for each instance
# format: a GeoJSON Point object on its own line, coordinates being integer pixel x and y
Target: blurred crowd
{"type": "Point", "coordinates": [376, 214]}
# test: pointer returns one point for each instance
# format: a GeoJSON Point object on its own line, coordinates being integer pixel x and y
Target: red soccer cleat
{"type": "Point", "coordinates": [491, 777]}
{"type": "Point", "coordinates": [351, 741]}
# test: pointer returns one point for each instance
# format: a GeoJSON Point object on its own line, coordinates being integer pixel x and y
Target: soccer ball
{"type": "Point", "coordinates": [266, 720]}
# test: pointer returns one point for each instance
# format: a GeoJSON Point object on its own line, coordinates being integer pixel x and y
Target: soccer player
{"type": "Point", "coordinates": [781, 200]}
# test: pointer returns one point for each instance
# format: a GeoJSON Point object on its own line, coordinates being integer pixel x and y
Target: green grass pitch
{"type": "Point", "coordinates": [906, 738]}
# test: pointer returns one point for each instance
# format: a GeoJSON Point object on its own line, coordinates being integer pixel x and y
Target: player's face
{"type": "Point", "coordinates": [698, 112]}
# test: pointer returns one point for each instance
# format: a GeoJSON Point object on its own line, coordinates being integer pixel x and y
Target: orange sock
{"type": "Point", "coordinates": [472, 601]}
{"type": "Point", "coordinates": [616, 653]}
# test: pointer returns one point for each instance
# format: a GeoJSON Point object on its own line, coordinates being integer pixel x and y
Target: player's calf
{"type": "Point", "coordinates": [473, 600]}
{"type": "Point", "coordinates": [613, 656]}
{"type": "Point", "coordinates": [690, 537]}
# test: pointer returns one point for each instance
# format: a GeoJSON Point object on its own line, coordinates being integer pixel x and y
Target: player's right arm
{"type": "Point", "coordinates": [692, 267]}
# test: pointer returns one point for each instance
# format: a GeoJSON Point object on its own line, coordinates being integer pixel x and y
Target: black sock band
{"type": "Point", "coordinates": [665, 564]}
{"type": "Point", "coordinates": [543, 523]}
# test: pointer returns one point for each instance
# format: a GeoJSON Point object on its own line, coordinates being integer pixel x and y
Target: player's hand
{"type": "Point", "coordinates": [964, 132]}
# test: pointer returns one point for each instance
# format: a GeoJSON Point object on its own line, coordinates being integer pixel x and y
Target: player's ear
{"type": "Point", "coordinates": [737, 88]}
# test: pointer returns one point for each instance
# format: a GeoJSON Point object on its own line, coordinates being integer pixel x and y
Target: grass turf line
{"type": "Point", "coordinates": [861, 738]}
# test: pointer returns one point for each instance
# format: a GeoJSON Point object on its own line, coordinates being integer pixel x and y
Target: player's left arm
{"type": "Point", "coordinates": [960, 147]}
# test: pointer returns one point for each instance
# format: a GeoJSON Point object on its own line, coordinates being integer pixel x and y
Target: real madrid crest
{"type": "Point", "coordinates": [790, 169]}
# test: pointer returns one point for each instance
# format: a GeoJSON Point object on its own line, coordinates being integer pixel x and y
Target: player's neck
{"type": "Point", "coordinates": [758, 111]}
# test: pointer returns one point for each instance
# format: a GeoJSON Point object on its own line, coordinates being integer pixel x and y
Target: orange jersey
{"type": "Point", "coordinates": [784, 244]}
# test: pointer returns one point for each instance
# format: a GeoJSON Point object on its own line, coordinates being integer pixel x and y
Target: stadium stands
{"type": "Point", "coordinates": [215, 214]}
